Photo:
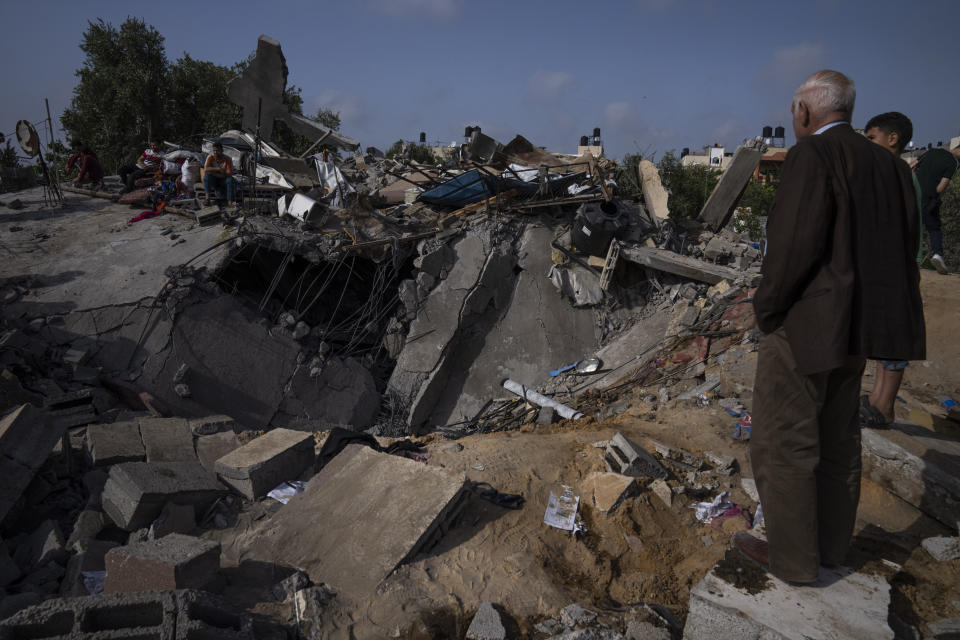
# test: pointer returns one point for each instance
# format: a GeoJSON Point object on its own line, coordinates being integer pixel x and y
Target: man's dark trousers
{"type": "Point", "coordinates": [805, 452]}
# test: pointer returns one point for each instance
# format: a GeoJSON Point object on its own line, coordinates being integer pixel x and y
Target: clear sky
{"type": "Point", "coordinates": [654, 75]}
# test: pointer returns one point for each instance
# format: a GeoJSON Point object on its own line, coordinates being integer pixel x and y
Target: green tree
{"type": "Point", "coordinates": [689, 187]}
{"type": "Point", "coordinates": [628, 176]}
{"type": "Point", "coordinates": [120, 99]}
{"type": "Point", "coordinates": [328, 118]}
{"type": "Point", "coordinates": [758, 198]}
{"type": "Point", "coordinates": [419, 153]}
{"type": "Point", "coordinates": [197, 102]}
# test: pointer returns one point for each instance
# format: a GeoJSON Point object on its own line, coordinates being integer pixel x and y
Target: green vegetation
{"type": "Point", "coordinates": [128, 91]}
{"type": "Point", "coordinates": [419, 153]}
{"type": "Point", "coordinates": [689, 187]}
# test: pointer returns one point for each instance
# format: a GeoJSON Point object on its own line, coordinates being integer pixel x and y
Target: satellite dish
{"type": "Point", "coordinates": [28, 138]}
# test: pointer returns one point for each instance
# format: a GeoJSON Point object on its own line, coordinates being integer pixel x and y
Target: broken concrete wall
{"type": "Point", "coordinates": [496, 315]}
{"type": "Point", "coordinates": [238, 368]}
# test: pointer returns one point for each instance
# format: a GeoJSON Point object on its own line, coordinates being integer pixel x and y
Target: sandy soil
{"type": "Point", "coordinates": [644, 551]}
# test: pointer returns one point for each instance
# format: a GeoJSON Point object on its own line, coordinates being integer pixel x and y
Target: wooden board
{"type": "Point", "coordinates": [670, 262]}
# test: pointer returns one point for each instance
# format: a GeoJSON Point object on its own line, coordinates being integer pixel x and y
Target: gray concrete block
{"type": "Point", "coordinates": [167, 439]}
{"type": "Point", "coordinates": [107, 444]}
{"type": "Point", "coordinates": [27, 438]}
{"type": "Point", "coordinates": [359, 518]}
{"type": "Point", "coordinates": [626, 457]}
{"type": "Point", "coordinates": [574, 615]}
{"type": "Point", "coordinates": [259, 466]}
{"type": "Point", "coordinates": [158, 615]}
{"type": "Point", "coordinates": [136, 492]}
{"type": "Point", "coordinates": [486, 624]}
{"type": "Point", "coordinates": [211, 448]}
{"type": "Point", "coordinates": [843, 604]}
{"type": "Point", "coordinates": [175, 561]}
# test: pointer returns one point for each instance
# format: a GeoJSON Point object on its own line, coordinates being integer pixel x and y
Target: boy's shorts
{"type": "Point", "coordinates": [893, 365]}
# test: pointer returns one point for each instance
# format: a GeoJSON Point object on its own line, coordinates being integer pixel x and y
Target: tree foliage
{"type": "Point", "coordinates": [628, 176]}
{"type": "Point", "coordinates": [120, 98]}
{"type": "Point", "coordinates": [418, 153]}
{"type": "Point", "coordinates": [197, 102]}
{"type": "Point", "coordinates": [128, 91]}
{"type": "Point", "coordinates": [689, 187]}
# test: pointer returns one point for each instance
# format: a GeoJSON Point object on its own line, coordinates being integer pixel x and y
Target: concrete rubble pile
{"type": "Point", "coordinates": [168, 435]}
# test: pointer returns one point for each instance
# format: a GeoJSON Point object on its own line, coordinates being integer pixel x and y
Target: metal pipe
{"type": "Point", "coordinates": [541, 400]}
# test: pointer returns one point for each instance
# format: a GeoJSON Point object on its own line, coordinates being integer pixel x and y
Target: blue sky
{"type": "Point", "coordinates": [654, 75]}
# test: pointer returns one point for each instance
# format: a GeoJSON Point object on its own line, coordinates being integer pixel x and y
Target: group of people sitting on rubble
{"type": "Point", "coordinates": [154, 168]}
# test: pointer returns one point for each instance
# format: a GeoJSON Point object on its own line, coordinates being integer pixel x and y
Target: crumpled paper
{"type": "Point", "coordinates": [287, 490]}
{"type": "Point", "coordinates": [707, 511]}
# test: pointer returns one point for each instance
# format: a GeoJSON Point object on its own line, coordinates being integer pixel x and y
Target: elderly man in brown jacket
{"type": "Point", "coordinates": [840, 284]}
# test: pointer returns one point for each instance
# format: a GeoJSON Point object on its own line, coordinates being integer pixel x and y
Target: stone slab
{"type": "Point", "coordinates": [107, 444]}
{"type": "Point", "coordinates": [136, 492]}
{"type": "Point", "coordinates": [606, 490]}
{"type": "Point", "coordinates": [654, 194]}
{"type": "Point", "coordinates": [211, 448]}
{"type": "Point", "coordinates": [263, 463]}
{"type": "Point", "coordinates": [175, 561]}
{"type": "Point", "coordinates": [631, 350]}
{"type": "Point", "coordinates": [840, 605]}
{"type": "Point", "coordinates": [359, 518]}
{"type": "Point", "coordinates": [167, 439]}
{"type": "Point", "coordinates": [525, 329]}
{"type": "Point", "coordinates": [917, 465]}
{"type": "Point", "coordinates": [27, 438]}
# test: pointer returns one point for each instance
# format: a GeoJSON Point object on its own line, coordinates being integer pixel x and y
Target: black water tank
{"type": "Point", "coordinates": [768, 132]}
{"type": "Point", "coordinates": [779, 132]}
{"type": "Point", "coordinates": [423, 138]}
{"type": "Point", "coordinates": [596, 132]}
{"type": "Point", "coordinates": [467, 131]}
{"type": "Point", "coordinates": [595, 225]}
{"type": "Point", "coordinates": [584, 141]}
{"type": "Point", "coordinates": [685, 152]}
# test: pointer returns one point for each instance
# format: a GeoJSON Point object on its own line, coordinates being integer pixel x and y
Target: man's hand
{"type": "Point", "coordinates": [216, 172]}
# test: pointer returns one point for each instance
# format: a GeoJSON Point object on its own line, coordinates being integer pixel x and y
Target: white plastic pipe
{"type": "Point", "coordinates": [541, 400]}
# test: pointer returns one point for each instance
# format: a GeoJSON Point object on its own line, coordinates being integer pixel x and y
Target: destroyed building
{"type": "Point", "coordinates": [492, 397]}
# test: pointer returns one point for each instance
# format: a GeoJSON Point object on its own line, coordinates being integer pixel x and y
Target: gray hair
{"type": "Point", "coordinates": [827, 91]}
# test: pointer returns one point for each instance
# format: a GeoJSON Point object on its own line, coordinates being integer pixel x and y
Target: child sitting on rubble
{"type": "Point", "coordinates": [217, 174]}
{"type": "Point", "coordinates": [892, 131]}
{"type": "Point", "coordinates": [91, 172]}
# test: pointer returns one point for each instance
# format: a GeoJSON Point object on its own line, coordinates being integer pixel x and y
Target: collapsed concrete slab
{"type": "Point", "coordinates": [485, 322]}
{"type": "Point", "coordinates": [27, 438]}
{"type": "Point", "coordinates": [261, 383]}
{"type": "Point", "coordinates": [259, 466]}
{"type": "Point", "coordinates": [842, 604]}
{"type": "Point", "coordinates": [175, 561]}
{"type": "Point", "coordinates": [136, 492]}
{"type": "Point", "coordinates": [364, 514]}
{"type": "Point", "coordinates": [917, 466]}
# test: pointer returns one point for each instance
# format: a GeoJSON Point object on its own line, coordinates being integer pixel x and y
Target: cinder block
{"type": "Point", "coordinates": [108, 444]}
{"type": "Point", "coordinates": [167, 439]}
{"type": "Point", "coordinates": [626, 457]}
{"type": "Point", "coordinates": [175, 561]}
{"type": "Point", "coordinates": [136, 492]}
{"type": "Point", "coordinates": [265, 462]}
{"type": "Point", "coordinates": [212, 447]}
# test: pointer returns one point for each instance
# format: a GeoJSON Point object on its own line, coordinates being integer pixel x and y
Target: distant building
{"type": "Point", "coordinates": [768, 170]}
{"type": "Point", "coordinates": [713, 156]}
{"type": "Point", "coordinates": [593, 144]}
